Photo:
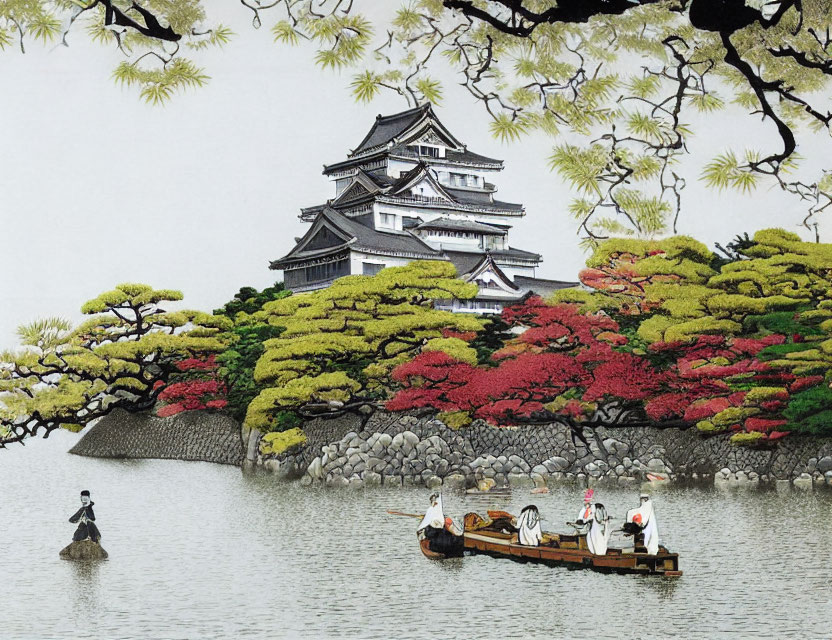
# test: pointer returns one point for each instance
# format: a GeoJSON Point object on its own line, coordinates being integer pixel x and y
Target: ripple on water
{"type": "Point", "coordinates": [197, 550]}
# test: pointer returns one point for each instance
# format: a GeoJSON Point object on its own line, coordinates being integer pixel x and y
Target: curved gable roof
{"type": "Point", "coordinates": [405, 124]}
{"type": "Point", "coordinates": [385, 128]}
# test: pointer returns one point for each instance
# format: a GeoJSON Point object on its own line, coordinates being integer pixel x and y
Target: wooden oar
{"type": "Point", "coordinates": [406, 515]}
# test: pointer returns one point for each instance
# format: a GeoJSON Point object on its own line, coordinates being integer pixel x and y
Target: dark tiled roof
{"type": "Point", "coordinates": [507, 206]}
{"type": "Point", "coordinates": [487, 263]}
{"type": "Point", "coordinates": [482, 199]}
{"type": "Point", "coordinates": [515, 253]}
{"type": "Point", "coordinates": [470, 196]}
{"type": "Point", "coordinates": [381, 179]}
{"type": "Point", "coordinates": [363, 238]}
{"type": "Point", "coordinates": [541, 286]}
{"type": "Point", "coordinates": [462, 225]}
{"type": "Point", "coordinates": [385, 128]}
{"type": "Point", "coordinates": [464, 261]}
{"type": "Point", "coordinates": [408, 176]}
{"type": "Point", "coordinates": [351, 163]}
{"type": "Point", "coordinates": [469, 157]}
{"type": "Point", "coordinates": [368, 238]}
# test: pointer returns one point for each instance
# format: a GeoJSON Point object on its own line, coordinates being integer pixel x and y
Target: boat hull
{"type": "Point", "coordinates": [424, 545]}
{"type": "Point", "coordinates": [567, 551]}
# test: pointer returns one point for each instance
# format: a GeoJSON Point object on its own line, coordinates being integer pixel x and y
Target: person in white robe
{"type": "Point", "coordinates": [434, 513]}
{"type": "Point", "coordinates": [645, 517]}
{"type": "Point", "coordinates": [529, 532]}
{"type": "Point", "coordinates": [592, 521]}
{"type": "Point", "coordinates": [599, 531]}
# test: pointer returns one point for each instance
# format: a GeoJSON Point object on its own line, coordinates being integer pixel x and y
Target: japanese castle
{"type": "Point", "coordinates": [411, 191]}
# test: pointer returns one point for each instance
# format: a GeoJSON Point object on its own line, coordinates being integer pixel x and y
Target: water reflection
{"type": "Point", "coordinates": [664, 587]}
{"type": "Point", "coordinates": [85, 590]}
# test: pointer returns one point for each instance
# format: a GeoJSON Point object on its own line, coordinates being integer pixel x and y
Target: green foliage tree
{"type": "Point", "coordinates": [245, 346]}
{"type": "Point", "coordinates": [779, 273]}
{"type": "Point", "coordinates": [249, 300]}
{"type": "Point", "coordinates": [620, 77]}
{"type": "Point", "coordinates": [340, 343]}
{"type": "Point", "coordinates": [121, 357]}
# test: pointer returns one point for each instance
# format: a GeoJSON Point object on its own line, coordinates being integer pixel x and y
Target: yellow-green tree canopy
{"type": "Point", "coordinates": [339, 343]}
{"type": "Point", "coordinates": [687, 291]}
{"type": "Point", "coordinates": [120, 357]}
{"type": "Point", "coordinates": [641, 274]}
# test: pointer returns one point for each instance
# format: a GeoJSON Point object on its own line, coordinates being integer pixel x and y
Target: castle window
{"type": "Point", "coordinates": [316, 273]}
{"type": "Point", "coordinates": [371, 268]}
{"type": "Point", "coordinates": [424, 150]}
{"type": "Point", "coordinates": [388, 220]}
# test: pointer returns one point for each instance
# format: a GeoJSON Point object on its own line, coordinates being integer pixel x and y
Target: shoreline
{"type": "Point", "coordinates": [408, 449]}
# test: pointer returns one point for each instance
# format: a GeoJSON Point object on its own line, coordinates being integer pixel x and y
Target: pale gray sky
{"type": "Point", "coordinates": [99, 188]}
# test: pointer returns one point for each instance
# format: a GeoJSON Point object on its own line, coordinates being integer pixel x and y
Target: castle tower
{"type": "Point", "coordinates": [411, 191]}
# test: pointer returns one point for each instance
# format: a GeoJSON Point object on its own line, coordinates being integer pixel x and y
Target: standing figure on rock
{"type": "Point", "coordinates": [85, 517]}
{"type": "Point", "coordinates": [643, 519]}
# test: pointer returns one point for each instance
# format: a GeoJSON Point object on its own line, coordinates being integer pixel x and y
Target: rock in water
{"type": "Point", "coordinates": [83, 550]}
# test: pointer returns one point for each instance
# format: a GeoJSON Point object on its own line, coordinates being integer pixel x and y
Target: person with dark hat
{"type": "Point", "coordinates": [85, 517]}
{"type": "Point", "coordinates": [529, 532]}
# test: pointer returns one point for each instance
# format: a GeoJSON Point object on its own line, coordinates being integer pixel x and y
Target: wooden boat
{"type": "Point", "coordinates": [494, 537]}
{"type": "Point", "coordinates": [424, 545]}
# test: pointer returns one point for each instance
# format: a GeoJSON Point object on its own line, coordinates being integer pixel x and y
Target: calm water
{"type": "Point", "coordinates": [198, 551]}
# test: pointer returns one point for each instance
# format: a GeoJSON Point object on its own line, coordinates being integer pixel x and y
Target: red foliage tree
{"type": "Point", "coordinates": [565, 364]}
{"type": "Point", "coordinates": [712, 374]}
{"type": "Point", "coordinates": [618, 275]}
{"type": "Point", "coordinates": [196, 387]}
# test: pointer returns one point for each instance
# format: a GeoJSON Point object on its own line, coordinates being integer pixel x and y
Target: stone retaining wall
{"type": "Point", "coordinates": [192, 435]}
{"type": "Point", "coordinates": [396, 450]}
{"type": "Point", "coordinates": [402, 450]}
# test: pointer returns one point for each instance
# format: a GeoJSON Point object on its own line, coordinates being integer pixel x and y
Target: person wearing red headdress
{"type": "Point", "coordinates": [592, 521]}
{"type": "Point", "coordinates": [588, 510]}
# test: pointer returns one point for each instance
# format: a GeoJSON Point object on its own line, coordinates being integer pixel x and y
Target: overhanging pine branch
{"type": "Point", "coordinates": [151, 27]}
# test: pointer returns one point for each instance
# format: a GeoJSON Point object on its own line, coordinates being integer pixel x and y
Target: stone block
{"type": "Point", "coordinates": [315, 469]}
{"type": "Point", "coordinates": [372, 479]}
{"type": "Point", "coordinates": [337, 481]}
{"type": "Point", "coordinates": [433, 482]}
{"type": "Point", "coordinates": [385, 439]}
{"type": "Point", "coordinates": [657, 465]}
{"type": "Point", "coordinates": [519, 480]}
{"type": "Point", "coordinates": [392, 481]}
{"type": "Point", "coordinates": [83, 550]}
{"type": "Point", "coordinates": [454, 481]}
{"type": "Point", "coordinates": [804, 482]}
